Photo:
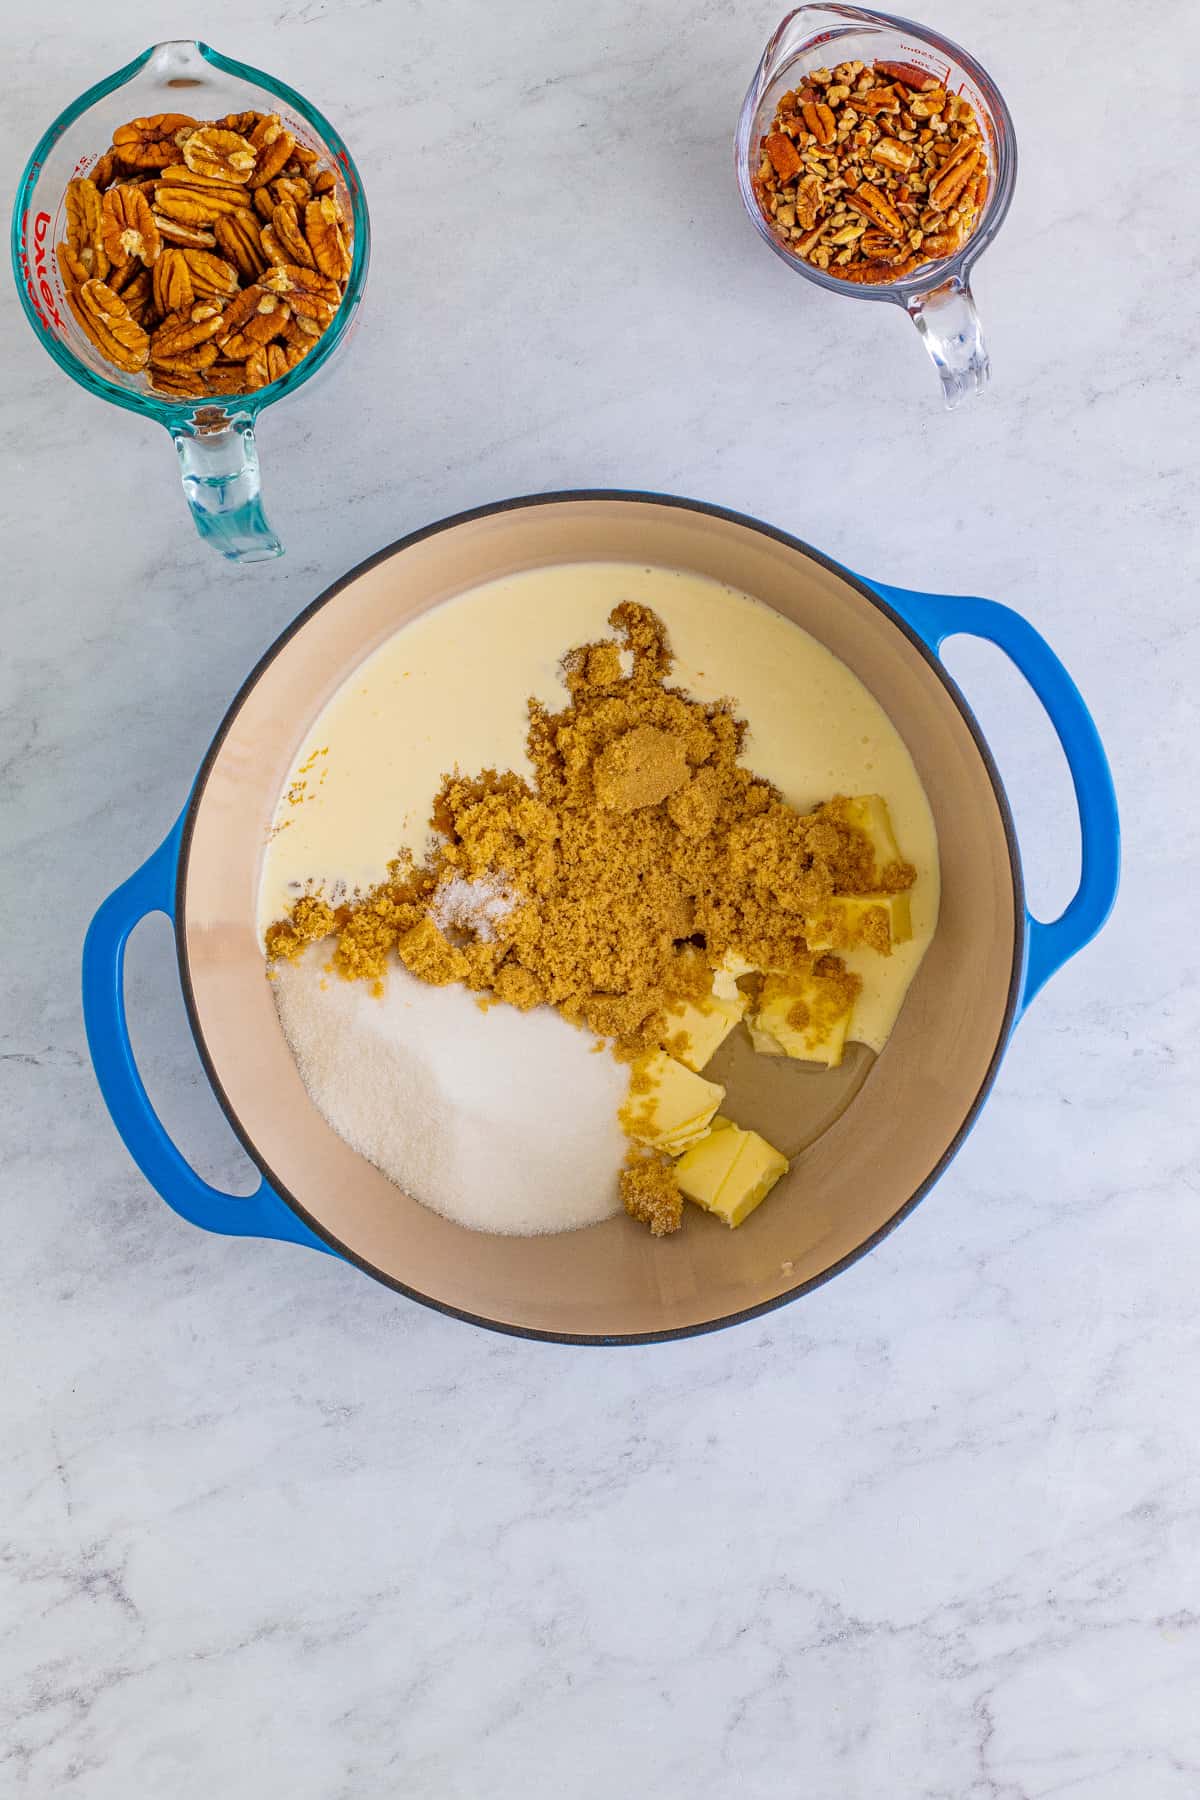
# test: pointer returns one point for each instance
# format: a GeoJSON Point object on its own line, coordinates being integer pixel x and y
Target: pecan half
{"type": "Point", "coordinates": [185, 330]}
{"type": "Point", "coordinates": [323, 229]}
{"type": "Point", "coordinates": [783, 154]}
{"type": "Point", "coordinates": [128, 226]}
{"type": "Point", "coordinates": [243, 123]}
{"type": "Point", "coordinates": [73, 272]}
{"type": "Point", "coordinates": [212, 277]}
{"type": "Point", "coordinates": [953, 176]}
{"type": "Point", "coordinates": [172, 283]}
{"type": "Point", "coordinates": [239, 235]}
{"type": "Point", "coordinates": [876, 209]}
{"type": "Point", "coordinates": [194, 205]}
{"type": "Point", "coordinates": [85, 234]}
{"type": "Point", "coordinates": [194, 361]}
{"type": "Point", "coordinates": [274, 146]}
{"type": "Point", "coordinates": [152, 143]}
{"type": "Point", "coordinates": [176, 232]}
{"type": "Point", "coordinates": [255, 317]}
{"type": "Point", "coordinates": [105, 318]}
{"type": "Point", "coordinates": [295, 189]}
{"type": "Point", "coordinates": [808, 199]}
{"type": "Point", "coordinates": [102, 174]}
{"type": "Point", "coordinates": [818, 118]}
{"type": "Point", "coordinates": [177, 384]}
{"type": "Point", "coordinates": [918, 79]}
{"type": "Point", "coordinates": [219, 154]}
{"type": "Point", "coordinates": [287, 233]}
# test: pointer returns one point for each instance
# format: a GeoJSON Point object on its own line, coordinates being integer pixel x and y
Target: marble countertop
{"type": "Point", "coordinates": [932, 1533]}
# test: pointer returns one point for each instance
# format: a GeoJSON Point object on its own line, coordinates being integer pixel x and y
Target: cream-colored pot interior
{"type": "Point", "coordinates": [611, 1280]}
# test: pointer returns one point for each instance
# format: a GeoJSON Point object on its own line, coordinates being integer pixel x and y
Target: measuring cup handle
{"type": "Point", "coordinates": [221, 482]}
{"type": "Point", "coordinates": [949, 326]}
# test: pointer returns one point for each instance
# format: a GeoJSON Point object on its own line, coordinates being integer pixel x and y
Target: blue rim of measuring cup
{"type": "Point", "coordinates": [174, 413]}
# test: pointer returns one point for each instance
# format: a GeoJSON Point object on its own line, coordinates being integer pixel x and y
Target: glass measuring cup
{"type": "Point", "coordinates": [936, 297]}
{"type": "Point", "coordinates": [214, 436]}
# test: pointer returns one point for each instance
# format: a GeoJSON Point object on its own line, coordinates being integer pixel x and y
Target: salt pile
{"type": "Point", "coordinates": [503, 1121]}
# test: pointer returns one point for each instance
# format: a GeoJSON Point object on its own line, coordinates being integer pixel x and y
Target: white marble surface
{"type": "Point", "coordinates": [932, 1533]}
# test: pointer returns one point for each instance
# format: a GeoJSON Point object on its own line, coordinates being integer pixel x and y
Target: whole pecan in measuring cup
{"type": "Point", "coordinates": [878, 159]}
{"type": "Point", "coordinates": [194, 266]}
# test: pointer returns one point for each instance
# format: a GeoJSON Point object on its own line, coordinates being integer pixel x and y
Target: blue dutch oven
{"type": "Point", "coordinates": [612, 1282]}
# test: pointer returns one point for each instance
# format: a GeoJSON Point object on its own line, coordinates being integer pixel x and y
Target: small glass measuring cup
{"type": "Point", "coordinates": [937, 297]}
{"type": "Point", "coordinates": [214, 437]}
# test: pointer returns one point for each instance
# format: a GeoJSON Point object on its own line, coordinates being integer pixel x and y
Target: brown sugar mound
{"type": "Point", "coordinates": [641, 854]}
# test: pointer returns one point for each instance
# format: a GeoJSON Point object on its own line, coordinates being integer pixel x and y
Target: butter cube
{"type": "Point", "coordinates": [878, 920]}
{"type": "Point", "coordinates": [730, 1171]}
{"type": "Point", "coordinates": [805, 1016]}
{"type": "Point", "coordinates": [870, 814]}
{"type": "Point", "coordinates": [669, 1107]}
{"type": "Point", "coordinates": [696, 1029]}
{"type": "Point", "coordinates": [725, 981]}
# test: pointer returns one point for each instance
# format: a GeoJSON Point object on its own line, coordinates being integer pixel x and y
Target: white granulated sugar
{"type": "Point", "coordinates": [474, 906]}
{"type": "Point", "coordinates": [503, 1121]}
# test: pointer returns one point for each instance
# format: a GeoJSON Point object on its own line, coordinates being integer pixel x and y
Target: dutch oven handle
{"type": "Point", "coordinates": [260, 1214]}
{"type": "Point", "coordinates": [936, 617]}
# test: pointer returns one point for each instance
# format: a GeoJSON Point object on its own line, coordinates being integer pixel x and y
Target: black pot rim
{"type": "Point", "coordinates": [639, 497]}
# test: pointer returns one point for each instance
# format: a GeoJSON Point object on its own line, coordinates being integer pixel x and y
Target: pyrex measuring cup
{"type": "Point", "coordinates": [937, 297]}
{"type": "Point", "coordinates": [214, 438]}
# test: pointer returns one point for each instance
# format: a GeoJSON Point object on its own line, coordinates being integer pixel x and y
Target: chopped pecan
{"type": "Point", "coordinates": [277, 362]}
{"type": "Point", "coordinates": [325, 182]}
{"type": "Point", "coordinates": [219, 154]}
{"type": "Point", "coordinates": [876, 101]}
{"type": "Point", "coordinates": [264, 204]}
{"type": "Point", "coordinates": [128, 226]}
{"type": "Point", "coordinates": [929, 104]}
{"type": "Point", "coordinates": [869, 169]}
{"type": "Point", "coordinates": [102, 174]}
{"type": "Point", "coordinates": [105, 318]}
{"type": "Point", "coordinates": [152, 143]}
{"type": "Point", "coordinates": [893, 155]}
